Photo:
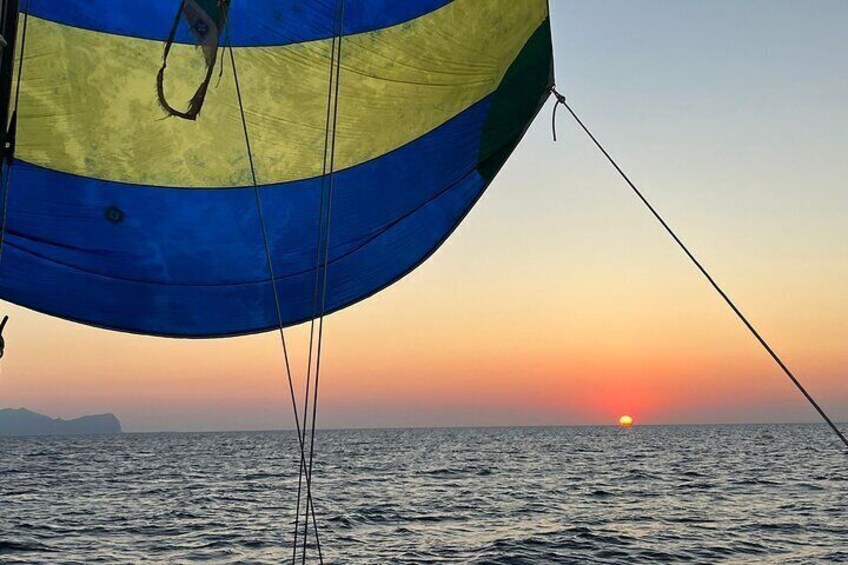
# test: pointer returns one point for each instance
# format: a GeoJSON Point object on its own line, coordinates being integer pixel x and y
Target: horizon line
{"type": "Point", "coordinates": [485, 427]}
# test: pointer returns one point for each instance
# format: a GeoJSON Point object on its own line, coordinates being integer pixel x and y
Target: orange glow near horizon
{"type": "Point", "coordinates": [381, 370]}
{"type": "Point", "coordinates": [625, 421]}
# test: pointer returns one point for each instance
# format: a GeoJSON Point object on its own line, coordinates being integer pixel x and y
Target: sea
{"type": "Point", "coordinates": [775, 494]}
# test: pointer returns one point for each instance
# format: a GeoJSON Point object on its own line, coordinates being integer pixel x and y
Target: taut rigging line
{"type": "Point", "coordinates": [561, 100]}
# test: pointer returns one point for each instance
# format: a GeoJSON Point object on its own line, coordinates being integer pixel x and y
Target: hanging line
{"type": "Point", "coordinates": [268, 257]}
{"type": "Point", "coordinates": [326, 259]}
{"type": "Point", "coordinates": [195, 105]}
{"type": "Point", "coordinates": [8, 150]}
{"type": "Point", "coordinates": [337, 31]}
{"type": "Point", "coordinates": [319, 238]}
{"type": "Point", "coordinates": [322, 241]}
{"type": "Point", "coordinates": [2, 340]}
{"type": "Point", "coordinates": [560, 100]}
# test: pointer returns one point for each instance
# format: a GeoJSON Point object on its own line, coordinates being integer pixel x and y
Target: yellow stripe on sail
{"type": "Point", "coordinates": [89, 107]}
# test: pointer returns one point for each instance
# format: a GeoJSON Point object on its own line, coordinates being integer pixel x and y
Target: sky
{"type": "Point", "coordinates": [560, 300]}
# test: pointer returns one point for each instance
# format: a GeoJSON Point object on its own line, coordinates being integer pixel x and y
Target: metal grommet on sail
{"type": "Point", "coordinates": [114, 214]}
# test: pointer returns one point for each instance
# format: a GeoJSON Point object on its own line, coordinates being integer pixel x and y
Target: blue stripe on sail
{"type": "Point", "coordinates": [224, 310]}
{"type": "Point", "coordinates": [192, 262]}
{"type": "Point", "coordinates": [254, 23]}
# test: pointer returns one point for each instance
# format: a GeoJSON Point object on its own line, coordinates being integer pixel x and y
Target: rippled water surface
{"type": "Point", "coordinates": [724, 494]}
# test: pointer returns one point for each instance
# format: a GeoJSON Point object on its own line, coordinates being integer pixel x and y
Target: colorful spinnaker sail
{"type": "Point", "coordinates": [122, 217]}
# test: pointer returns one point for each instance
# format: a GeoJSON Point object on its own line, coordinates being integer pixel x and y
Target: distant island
{"type": "Point", "coordinates": [23, 422]}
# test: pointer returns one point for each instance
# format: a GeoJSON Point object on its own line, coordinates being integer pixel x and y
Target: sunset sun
{"type": "Point", "coordinates": [625, 421]}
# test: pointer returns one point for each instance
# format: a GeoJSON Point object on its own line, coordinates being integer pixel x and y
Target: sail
{"type": "Point", "coordinates": [123, 216]}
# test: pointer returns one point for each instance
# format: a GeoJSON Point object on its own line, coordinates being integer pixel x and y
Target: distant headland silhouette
{"type": "Point", "coordinates": [23, 422]}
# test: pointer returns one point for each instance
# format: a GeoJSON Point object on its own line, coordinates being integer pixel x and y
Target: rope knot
{"type": "Point", "coordinates": [559, 97]}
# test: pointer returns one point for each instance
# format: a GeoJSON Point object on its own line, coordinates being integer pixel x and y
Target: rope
{"type": "Point", "coordinates": [195, 105]}
{"type": "Point", "coordinates": [319, 238]}
{"type": "Point", "coordinates": [7, 183]}
{"type": "Point", "coordinates": [326, 255]}
{"type": "Point", "coordinates": [561, 101]}
{"type": "Point", "coordinates": [270, 263]}
{"type": "Point", "coordinates": [12, 127]}
{"type": "Point", "coordinates": [322, 239]}
{"type": "Point", "coordinates": [320, 226]}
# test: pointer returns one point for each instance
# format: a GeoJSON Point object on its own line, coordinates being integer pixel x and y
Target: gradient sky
{"type": "Point", "coordinates": [559, 300]}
